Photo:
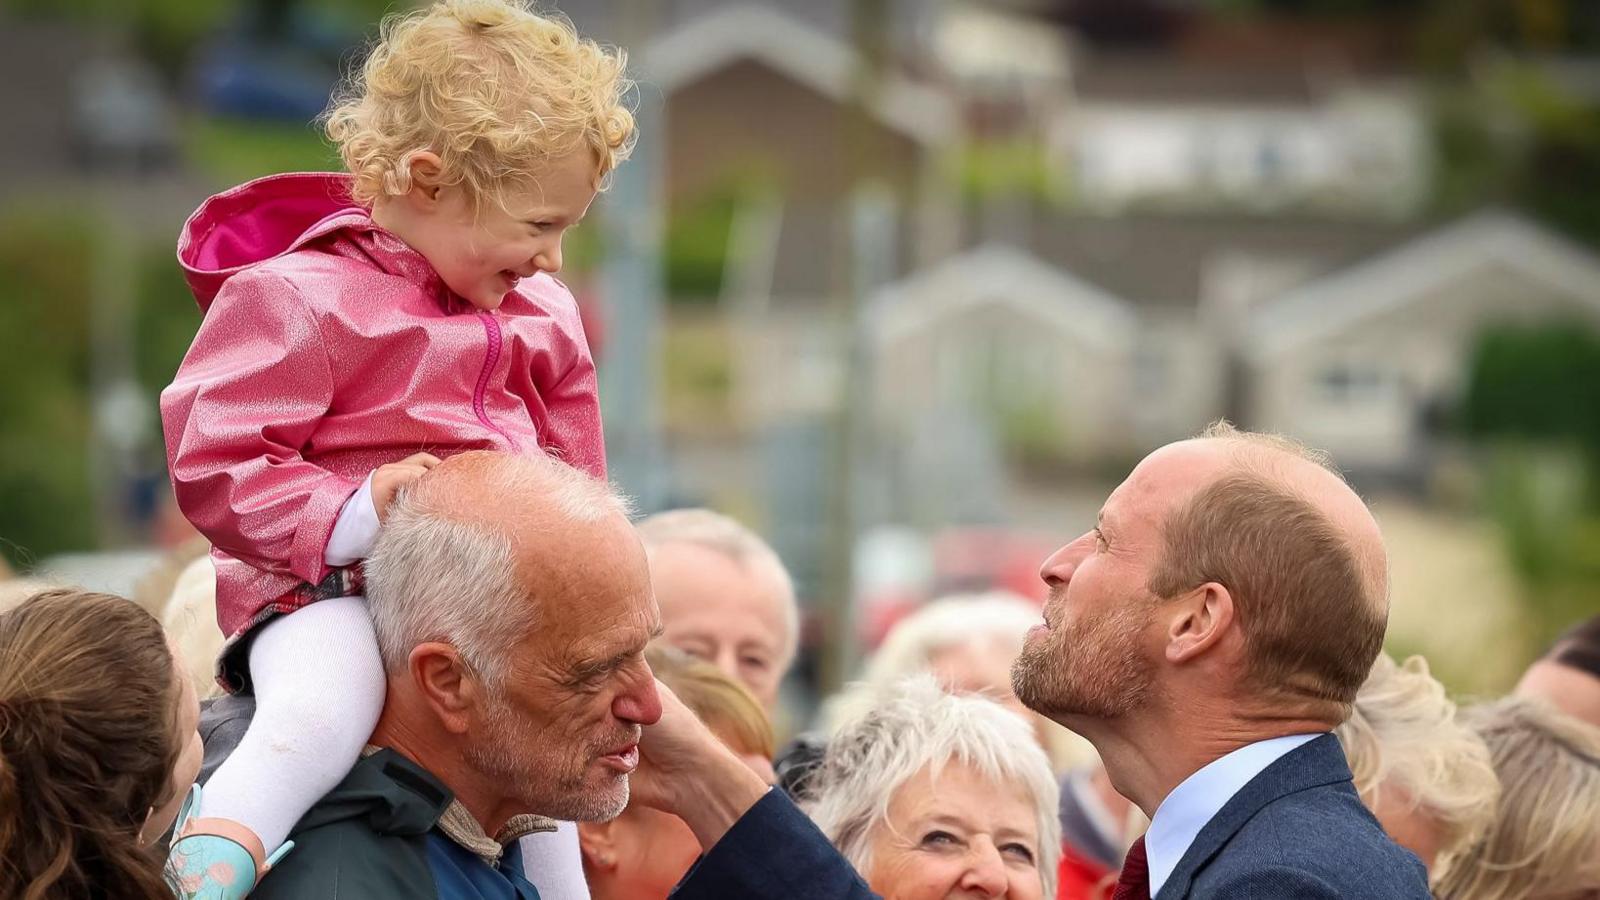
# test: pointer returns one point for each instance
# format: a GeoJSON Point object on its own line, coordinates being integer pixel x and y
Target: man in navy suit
{"type": "Point", "coordinates": [1207, 635]}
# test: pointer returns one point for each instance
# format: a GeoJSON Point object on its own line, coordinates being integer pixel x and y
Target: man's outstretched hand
{"type": "Point", "coordinates": [686, 771]}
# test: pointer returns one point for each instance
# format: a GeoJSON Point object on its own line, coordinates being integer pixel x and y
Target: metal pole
{"type": "Point", "coordinates": [839, 650]}
{"type": "Point", "coordinates": [631, 280]}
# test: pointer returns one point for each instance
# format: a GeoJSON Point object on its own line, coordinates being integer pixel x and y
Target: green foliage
{"type": "Point", "coordinates": [1539, 382]}
{"type": "Point", "coordinates": [1541, 497]}
{"type": "Point", "coordinates": [44, 419]}
{"type": "Point", "coordinates": [699, 230]}
{"type": "Point", "coordinates": [1533, 394]}
{"type": "Point", "coordinates": [1031, 431]}
{"type": "Point", "coordinates": [1474, 165]}
{"type": "Point", "coordinates": [1010, 168]}
{"type": "Point", "coordinates": [696, 246]}
{"type": "Point", "coordinates": [165, 318]}
{"type": "Point", "coordinates": [230, 151]}
{"type": "Point", "coordinates": [165, 30]}
{"type": "Point", "coordinates": [1516, 137]}
{"type": "Point", "coordinates": [168, 31]}
{"type": "Point", "coordinates": [46, 499]}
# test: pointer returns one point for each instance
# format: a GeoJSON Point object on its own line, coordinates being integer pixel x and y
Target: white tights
{"type": "Point", "coordinates": [554, 864]}
{"type": "Point", "coordinates": [319, 687]}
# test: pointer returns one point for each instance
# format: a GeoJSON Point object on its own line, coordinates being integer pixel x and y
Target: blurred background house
{"type": "Point", "coordinates": [909, 284]}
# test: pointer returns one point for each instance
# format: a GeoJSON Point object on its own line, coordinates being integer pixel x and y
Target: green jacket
{"type": "Point", "coordinates": [380, 835]}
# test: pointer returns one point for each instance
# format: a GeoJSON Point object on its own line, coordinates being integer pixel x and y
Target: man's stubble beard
{"type": "Point", "coordinates": [503, 756]}
{"type": "Point", "coordinates": [1092, 670]}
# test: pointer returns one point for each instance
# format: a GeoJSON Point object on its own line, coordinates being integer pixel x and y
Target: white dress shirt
{"type": "Point", "coordinates": [1185, 811]}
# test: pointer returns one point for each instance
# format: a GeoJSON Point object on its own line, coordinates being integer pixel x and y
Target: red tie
{"type": "Point", "coordinates": [1134, 882]}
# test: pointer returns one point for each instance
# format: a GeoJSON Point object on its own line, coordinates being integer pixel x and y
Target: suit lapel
{"type": "Point", "coordinates": [1316, 763]}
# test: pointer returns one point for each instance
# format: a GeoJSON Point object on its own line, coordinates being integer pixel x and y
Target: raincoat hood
{"type": "Point", "coordinates": [260, 220]}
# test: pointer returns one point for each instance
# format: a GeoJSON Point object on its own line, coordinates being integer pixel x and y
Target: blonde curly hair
{"type": "Point", "coordinates": [1404, 737]}
{"type": "Point", "coordinates": [492, 87]}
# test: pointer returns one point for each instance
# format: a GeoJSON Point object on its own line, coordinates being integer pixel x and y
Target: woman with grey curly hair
{"type": "Point", "coordinates": [931, 794]}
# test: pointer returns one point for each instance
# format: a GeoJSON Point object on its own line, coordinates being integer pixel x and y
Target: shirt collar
{"type": "Point", "coordinates": [1201, 796]}
{"type": "Point", "coordinates": [459, 826]}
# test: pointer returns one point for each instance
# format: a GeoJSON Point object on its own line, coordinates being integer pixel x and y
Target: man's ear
{"type": "Point", "coordinates": [597, 841]}
{"type": "Point", "coordinates": [1198, 621]}
{"type": "Point", "coordinates": [451, 689]}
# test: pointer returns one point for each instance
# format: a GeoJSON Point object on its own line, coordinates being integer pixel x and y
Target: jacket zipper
{"type": "Point", "coordinates": [491, 329]}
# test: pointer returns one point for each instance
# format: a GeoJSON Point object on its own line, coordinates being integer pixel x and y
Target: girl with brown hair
{"type": "Point", "coordinates": [97, 748]}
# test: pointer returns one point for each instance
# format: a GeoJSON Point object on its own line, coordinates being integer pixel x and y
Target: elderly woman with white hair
{"type": "Point", "coordinates": [968, 643]}
{"type": "Point", "coordinates": [931, 795]}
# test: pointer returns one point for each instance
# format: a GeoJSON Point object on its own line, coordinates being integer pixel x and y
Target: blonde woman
{"type": "Point", "coordinates": [1425, 775]}
{"type": "Point", "coordinates": [1545, 842]}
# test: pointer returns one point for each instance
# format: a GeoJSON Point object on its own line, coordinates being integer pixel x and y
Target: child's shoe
{"type": "Point", "coordinates": [215, 859]}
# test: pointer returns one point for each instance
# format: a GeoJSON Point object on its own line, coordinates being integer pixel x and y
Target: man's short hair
{"type": "Point", "coordinates": [435, 575]}
{"type": "Point", "coordinates": [1305, 601]}
{"type": "Point", "coordinates": [727, 536]}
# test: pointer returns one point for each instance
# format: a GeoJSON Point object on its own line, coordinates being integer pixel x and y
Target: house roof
{"type": "Point", "coordinates": [1161, 77]}
{"type": "Point", "coordinates": [809, 55]}
{"type": "Point", "coordinates": [1004, 275]}
{"type": "Point", "coordinates": [1413, 271]}
{"type": "Point", "coordinates": [636, 22]}
{"type": "Point", "coordinates": [1161, 261]}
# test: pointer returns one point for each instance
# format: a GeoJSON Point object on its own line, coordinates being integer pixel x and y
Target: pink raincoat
{"type": "Point", "coordinates": [329, 347]}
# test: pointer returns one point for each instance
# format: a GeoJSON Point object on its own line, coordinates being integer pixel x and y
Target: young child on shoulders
{"type": "Point", "coordinates": [358, 328]}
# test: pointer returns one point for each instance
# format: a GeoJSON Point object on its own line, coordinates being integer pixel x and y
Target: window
{"type": "Point", "coordinates": [1350, 383]}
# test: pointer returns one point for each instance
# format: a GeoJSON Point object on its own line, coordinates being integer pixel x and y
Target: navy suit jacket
{"type": "Point", "coordinates": [774, 852]}
{"type": "Point", "coordinates": [1298, 829]}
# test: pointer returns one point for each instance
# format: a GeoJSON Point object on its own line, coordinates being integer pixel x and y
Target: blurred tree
{"type": "Point", "coordinates": [696, 250]}
{"type": "Point", "coordinates": [1540, 382]}
{"type": "Point", "coordinates": [1516, 135]}
{"type": "Point", "coordinates": [45, 500]}
{"type": "Point", "coordinates": [1533, 396]}
{"type": "Point", "coordinates": [1009, 168]}
{"type": "Point", "coordinates": [46, 503]}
